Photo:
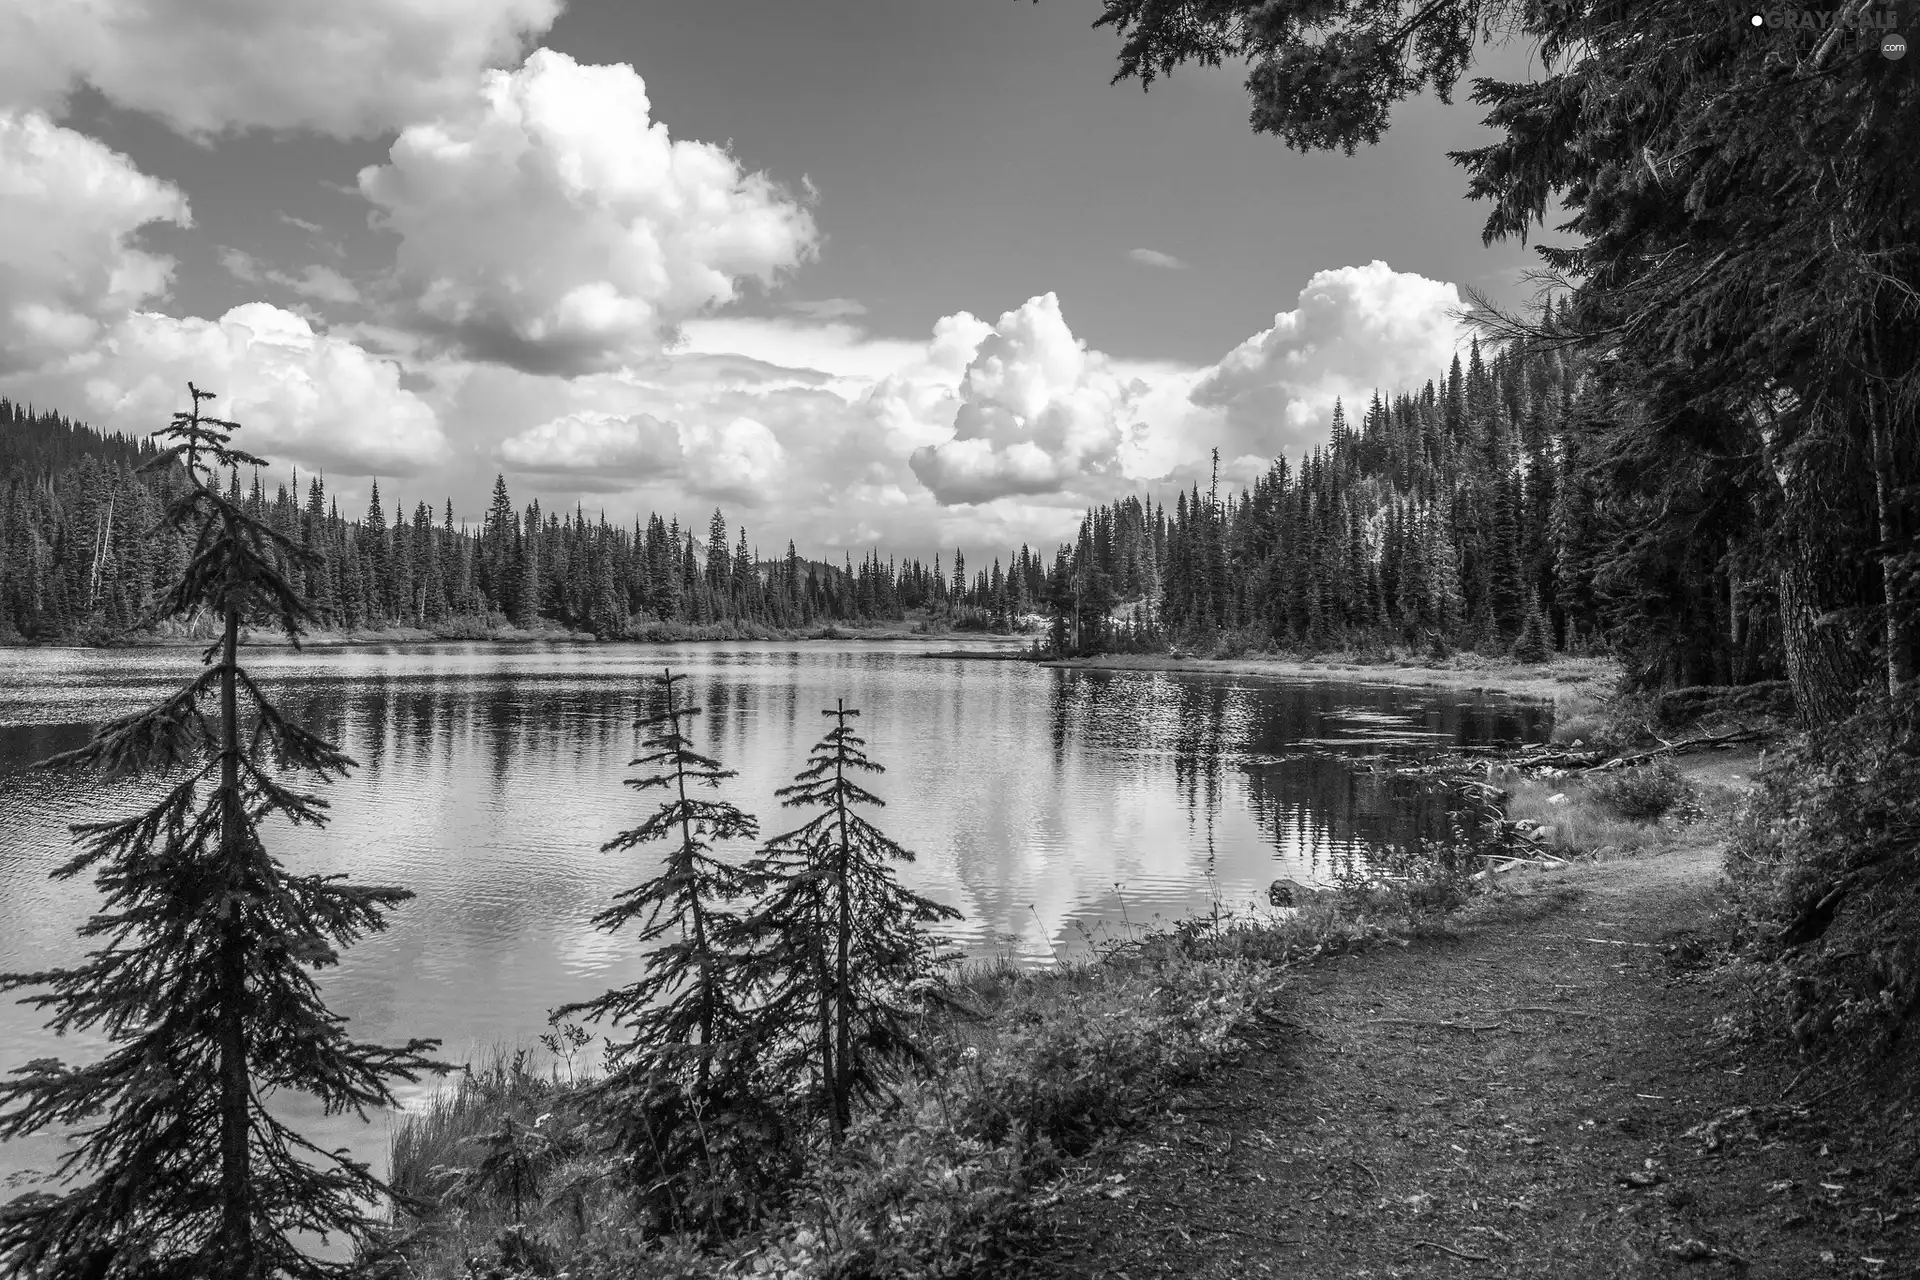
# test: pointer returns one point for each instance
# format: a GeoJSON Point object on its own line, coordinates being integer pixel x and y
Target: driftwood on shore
{"type": "Point", "coordinates": [1683, 746]}
{"type": "Point", "coordinates": [1540, 755]}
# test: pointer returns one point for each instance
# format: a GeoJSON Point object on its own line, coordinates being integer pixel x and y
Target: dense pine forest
{"type": "Point", "coordinates": [80, 558]}
{"type": "Point", "coordinates": [1481, 511]}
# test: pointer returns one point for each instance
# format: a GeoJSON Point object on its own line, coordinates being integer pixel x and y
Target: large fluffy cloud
{"type": "Point", "coordinates": [1353, 330]}
{"type": "Point", "coordinates": [593, 445]}
{"type": "Point", "coordinates": [737, 459]}
{"type": "Point", "coordinates": [346, 67]}
{"type": "Point", "coordinates": [69, 208]}
{"type": "Point", "coordinates": [302, 396]}
{"type": "Point", "coordinates": [549, 223]}
{"type": "Point", "coordinates": [1038, 413]}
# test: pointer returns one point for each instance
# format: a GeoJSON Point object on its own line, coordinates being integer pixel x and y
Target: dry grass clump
{"type": "Point", "coordinates": [1573, 816]}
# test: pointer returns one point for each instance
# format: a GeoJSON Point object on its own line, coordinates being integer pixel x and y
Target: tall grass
{"type": "Point", "coordinates": [1631, 811]}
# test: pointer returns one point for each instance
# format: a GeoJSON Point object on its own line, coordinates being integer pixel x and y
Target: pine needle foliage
{"type": "Point", "coordinates": [1536, 639]}
{"type": "Point", "coordinates": [684, 1012]}
{"type": "Point", "coordinates": [202, 979]}
{"type": "Point", "coordinates": [842, 942]}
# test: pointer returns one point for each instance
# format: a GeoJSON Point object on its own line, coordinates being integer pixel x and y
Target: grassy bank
{"type": "Point", "coordinates": [1027, 1073]}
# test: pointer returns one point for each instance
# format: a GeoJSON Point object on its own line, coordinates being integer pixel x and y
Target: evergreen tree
{"type": "Point", "coordinates": [373, 551]}
{"type": "Point", "coordinates": [843, 942]}
{"type": "Point", "coordinates": [1536, 640]}
{"type": "Point", "coordinates": [526, 596]}
{"type": "Point", "coordinates": [682, 1077]}
{"type": "Point", "coordinates": [719, 562]}
{"type": "Point", "coordinates": [202, 980]}
{"type": "Point", "coordinates": [501, 534]}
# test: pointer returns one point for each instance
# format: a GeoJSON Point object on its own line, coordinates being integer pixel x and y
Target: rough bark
{"type": "Point", "coordinates": [1899, 625]}
{"type": "Point", "coordinates": [1825, 673]}
{"type": "Point", "coordinates": [842, 977]}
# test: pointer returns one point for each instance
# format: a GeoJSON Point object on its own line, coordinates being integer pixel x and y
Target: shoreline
{"type": "Point", "coordinates": [1563, 681]}
{"type": "Point", "coordinates": [515, 637]}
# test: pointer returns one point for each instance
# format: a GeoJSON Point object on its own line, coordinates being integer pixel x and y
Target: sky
{"type": "Point", "coordinates": [907, 273]}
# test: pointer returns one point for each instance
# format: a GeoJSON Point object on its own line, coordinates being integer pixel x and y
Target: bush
{"type": "Point", "coordinates": [1825, 863]}
{"type": "Point", "coordinates": [1646, 793]}
{"type": "Point", "coordinates": [948, 1182]}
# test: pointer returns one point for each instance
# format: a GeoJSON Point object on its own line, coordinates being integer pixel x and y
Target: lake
{"type": "Point", "coordinates": [1047, 805]}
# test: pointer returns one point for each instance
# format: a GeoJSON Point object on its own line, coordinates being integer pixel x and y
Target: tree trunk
{"type": "Point", "coordinates": [1736, 632]}
{"type": "Point", "coordinates": [1825, 674]}
{"type": "Point", "coordinates": [828, 1075]}
{"type": "Point", "coordinates": [236, 1176]}
{"type": "Point", "coordinates": [1899, 626]}
{"type": "Point", "coordinates": [843, 996]}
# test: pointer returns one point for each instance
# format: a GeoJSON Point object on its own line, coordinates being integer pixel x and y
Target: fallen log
{"type": "Point", "coordinates": [1677, 748]}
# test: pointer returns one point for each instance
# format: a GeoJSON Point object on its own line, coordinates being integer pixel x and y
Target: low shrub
{"type": "Point", "coordinates": [1644, 794]}
{"type": "Point", "coordinates": [1825, 866]}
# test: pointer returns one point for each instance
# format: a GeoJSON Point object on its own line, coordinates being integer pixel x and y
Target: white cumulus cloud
{"type": "Point", "coordinates": [1352, 331]}
{"type": "Point", "coordinates": [738, 458]}
{"type": "Point", "coordinates": [351, 68]}
{"type": "Point", "coordinates": [1038, 413]}
{"type": "Point", "coordinates": [550, 223]}
{"type": "Point", "coordinates": [69, 210]}
{"type": "Point", "coordinates": [302, 396]}
{"type": "Point", "coordinates": [618, 449]}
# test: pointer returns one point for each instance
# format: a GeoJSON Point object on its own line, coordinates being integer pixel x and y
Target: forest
{"type": "Point", "coordinates": [80, 558]}
{"type": "Point", "coordinates": [1472, 511]}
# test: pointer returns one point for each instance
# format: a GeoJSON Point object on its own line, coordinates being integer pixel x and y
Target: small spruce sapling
{"type": "Point", "coordinates": [1536, 637]}
{"type": "Point", "coordinates": [679, 1088]}
{"type": "Point", "coordinates": [684, 1011]}
{"type": "Point", "coordinates": [202, 981]}
{"type": "Point", "coordinates": [843, 942]}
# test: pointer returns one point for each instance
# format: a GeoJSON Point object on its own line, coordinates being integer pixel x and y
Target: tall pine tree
{"type": "Point", "coordinates": [202, 979]}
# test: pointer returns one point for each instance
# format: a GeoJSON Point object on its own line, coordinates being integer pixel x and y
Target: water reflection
{"type": "Point", "coordinates": [1041, 803]}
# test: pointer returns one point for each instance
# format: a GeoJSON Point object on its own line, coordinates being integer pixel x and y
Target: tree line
{"type": "Point", "coordinates": [80, 557]}
{"type": "Point", "coordinates": [1476, 512]}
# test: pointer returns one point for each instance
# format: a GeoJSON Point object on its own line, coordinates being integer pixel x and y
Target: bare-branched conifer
{"type": "Point", "coordinates": [202, 977]}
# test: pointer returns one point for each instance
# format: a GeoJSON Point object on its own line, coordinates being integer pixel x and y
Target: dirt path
{"type": "Point", "coordinates": [1511, 1099]}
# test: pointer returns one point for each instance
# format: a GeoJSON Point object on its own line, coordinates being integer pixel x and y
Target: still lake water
{"type": "Point", "coordinates": [1044, 804]}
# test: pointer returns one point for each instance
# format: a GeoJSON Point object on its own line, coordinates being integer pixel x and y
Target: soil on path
{"type": "Point", "coordinates": [1523, 1096]}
